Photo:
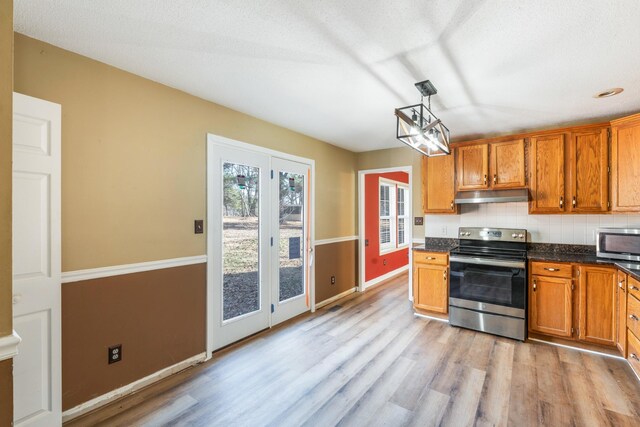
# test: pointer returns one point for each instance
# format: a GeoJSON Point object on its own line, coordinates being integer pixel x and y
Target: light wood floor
{"type": "Point", "coordinates": [370, 362]}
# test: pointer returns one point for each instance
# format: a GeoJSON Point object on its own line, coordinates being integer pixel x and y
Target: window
{"type": "Point", "coordinates": [403, 215]}
{"type": "Point", "coordinates": [395, 214]}
{"type": "Point", "coordinates": [387, 216]}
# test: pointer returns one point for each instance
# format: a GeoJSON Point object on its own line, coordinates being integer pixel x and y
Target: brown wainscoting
{"type": "Point", "coordinates": [158, 316]}
{"type": "Point", "coordinates": [338, 259]}
{"type": "Point", "coordinates": [6, 392]}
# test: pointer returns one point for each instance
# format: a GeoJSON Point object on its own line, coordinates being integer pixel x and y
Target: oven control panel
{"type": "Point", "coordinates": [500, 234]}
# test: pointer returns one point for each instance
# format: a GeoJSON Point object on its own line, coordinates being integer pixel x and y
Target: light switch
{"type": "Point", "coordinates": [198, 226]}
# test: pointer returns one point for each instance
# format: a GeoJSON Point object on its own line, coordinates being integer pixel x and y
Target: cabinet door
{"type": "Point", "coordinates": [550, 306]}
{"type": "Point", "coordinates": [621, 310]}
{"type": "Point", "coordinates": [597, 311]}
{"type": "Point", "coordinates": [430, 288]}
{"type": "Point", "coordinates": [625, 166]}
{"type": "Point", "coordinates": [588, 170]}
{"type": "Point", "coordinates": [507, 164]}
{"type": "Point", "coordinates": [547, 174]}
{"type": "Point", "coordinates": [473, 167]}
{"type": "Point", "coordinates": [438, 184]}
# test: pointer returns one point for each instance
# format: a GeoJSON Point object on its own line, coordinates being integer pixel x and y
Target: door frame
{"type": "Point", "coordinates": [361, 259]}
{"type": "Point", "coordinates": [213, 141]}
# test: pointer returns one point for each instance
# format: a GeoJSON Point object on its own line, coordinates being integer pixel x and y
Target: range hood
{"type": "Point", "coordinates": [492, 196]}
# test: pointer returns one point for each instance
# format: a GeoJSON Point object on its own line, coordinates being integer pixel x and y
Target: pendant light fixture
{"type": "Point", "coordinates": [419, 128]}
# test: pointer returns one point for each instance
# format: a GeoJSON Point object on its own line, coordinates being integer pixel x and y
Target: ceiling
{"type": "Point", "coordinates": [336, 70]}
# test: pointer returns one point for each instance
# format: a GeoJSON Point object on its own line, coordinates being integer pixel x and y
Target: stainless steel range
{"type": "Point", "coordinates": [488, 281]}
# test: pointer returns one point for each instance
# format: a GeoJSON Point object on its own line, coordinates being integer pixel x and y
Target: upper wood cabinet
{"type": "Point", "coordinates": [507, 164]}
{"type": "Point", "coordinates": [597, 312]}
{"type": "Point", "coordinates": [472, 166]}
{"type": "Point", "coordinates": [430, 283]}
{"type": "Point", "coordinates": [625, 164]}
{"type": "Point", "coordinates": [547, 174]}
{"type": "Point", "coordinates": [621, 312]}
{"type": "Point", "coordinates": [496, 165]}
{"type": "Point", "coordinates": [588, 170]}
{"type": "Point", "coordinates": [438, 179]}
{"type": "Point", "coordinates": [550, 306]}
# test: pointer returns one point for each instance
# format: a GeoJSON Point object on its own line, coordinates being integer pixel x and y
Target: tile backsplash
{"type": "Point", "coordinates": [569, 229]}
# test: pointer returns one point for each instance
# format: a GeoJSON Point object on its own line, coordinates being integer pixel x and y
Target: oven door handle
{"type": "Point", "coordinates": [485, 261]}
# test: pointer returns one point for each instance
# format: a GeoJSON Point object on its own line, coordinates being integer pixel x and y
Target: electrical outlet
{"type": "Point", "coordinates": [444, 231]}
{"type": "Point", "coordinates": [198, 226]}
{"type": "Point", "coordinates": [384, 261]}
{"type": "Point", "coordinates": [115, 353]}
{"type": "Point", "coordinates": [333, 280]}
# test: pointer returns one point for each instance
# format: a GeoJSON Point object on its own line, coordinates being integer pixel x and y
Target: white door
{"type": "Point", "coordinates": [36, 261]}
{"type": "Point", "coordinates": [239, 243]}
{"type": "Point", "coordinates": [290, 228]}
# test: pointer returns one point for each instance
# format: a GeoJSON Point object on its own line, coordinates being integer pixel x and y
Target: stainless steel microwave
{"type": "Point", "coordinates": [618, 243]}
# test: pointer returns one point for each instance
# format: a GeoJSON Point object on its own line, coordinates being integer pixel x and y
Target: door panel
{"type": "Point", "coordinates": [547, 180]}
{"type": "Point", "coordinates": [290, 294]}
{"type": "Point", "coordinates": [589, 161]}
{"type": "Point", "coordinates": [36, 261]}
{"type": "Point", "coordinates": [597, 305]}
{"type": "Point", "coordinates": [621, 310]}
{"type": "Point", "coordinates": [550, 302]}
{"type": "Point", "coordinates": [507, 164]}
{"type": "Point", "coordinates": [625, 166]}
{"type": "Point", "coordinates": [473, 167]}
{"type": "Point", "coordinates": [438, 184]}
{"type": "Point", "coordinates": [239, 252]}
{"type": "Point", "coordinates": [430, 287]}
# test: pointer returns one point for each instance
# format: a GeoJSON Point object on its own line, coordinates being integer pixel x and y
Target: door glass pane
{"type": "Point", "coordinates": [240, 236]}
{"type": "Point", "coordinates": [291, 224]}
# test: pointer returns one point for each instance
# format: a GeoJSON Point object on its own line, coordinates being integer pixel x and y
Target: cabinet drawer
{"type": "Point", "coordinates": [634, 287]}
{"type": "Point", "coordinates": [551, 269]}
{"type": "Point", "coordinates": [633, 315]}
{"type": "Point", "coordinates": [438, 258]}
{"type": "Point", "coordinates": [633, 347]}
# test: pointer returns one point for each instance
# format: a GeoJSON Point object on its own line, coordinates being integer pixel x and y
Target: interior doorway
{"type": "Point", "coordinates": [385, 224]}
{"type": "Point", "coordinates": [260, 239]}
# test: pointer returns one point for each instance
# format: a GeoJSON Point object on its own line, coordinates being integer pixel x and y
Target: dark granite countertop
{"type": "Point", "coordinates": [435, 244]}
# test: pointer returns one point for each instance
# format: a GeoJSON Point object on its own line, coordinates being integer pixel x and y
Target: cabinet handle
{"type": "Point", "coordinates": [551, 269]}
{"type": "Point", "coordinates": [452, 204]}
{"type": "Point", "coordinates": [574, 202]}
{"type": "Point", "coordinates": [431, 257]}
{"type": "Point", "coordinates": [633, 288]}
{"type": "Point", "coordinates": [495, 178]}
{"type": "Point", "coordinates": [561, 202]}
{"type": "Point", "coordinates": [634, 357]}
{"type": "Point", "coordinates": [444, 275]}
{"type": "Point", "coordinates": [485, 179]}
{"type": "Point", "coordinates": [633, 317]}
{"type": "Point", "coordinates": [535, 286]}
{"type": "Point", "coordinates": [621, 284]}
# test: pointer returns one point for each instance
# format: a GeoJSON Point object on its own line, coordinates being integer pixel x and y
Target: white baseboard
{"type": "Point", "coordinates": [335, 298]}
{"type": "Point", "coordinates": [9, 346]}
{"type": "Point", "coordinates": [117, 270]}
{"type": "Point", "coordinates": [384, 277]}
{"type": "Point", "coordinates": [106, 398]}
{"type": "Point", "coordinates": [425, 316]}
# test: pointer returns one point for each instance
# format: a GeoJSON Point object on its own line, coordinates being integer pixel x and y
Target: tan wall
{"type": "Point", "coordinates": [133, 159]}
{"type": "Point", "coordinates": [339, 260]}
{"type": "Point", "coordinates": [401, 156]}
{"type": "Point", "coordinates": [6, 121]}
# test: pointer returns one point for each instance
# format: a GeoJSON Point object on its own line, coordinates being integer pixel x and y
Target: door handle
{"type": "Point", "coordinates": [17, 298]}
{"type": "Point", "coordinates": [633, 288]}
{"type": "Point", "coordinates": [561, 202]}
{"type": "Point", "coordinates": [634, 357]}
{"type": "Point", "coordinates": [485, 179]}
{"type": "Point", "coordinates": [633, 317]}
{"type": "Point", "coordinates": [621, 284]}
{"type": "Point", "coordinates": [574, 202]}
{"type": "Point", "coordinates": [535, 286]}
{"type": "Point", "coordinates": [495, 178]}
{"type": "Point", "coordinates": [444, 275]}
{"type": "Point", "coordinates": [452, 204]}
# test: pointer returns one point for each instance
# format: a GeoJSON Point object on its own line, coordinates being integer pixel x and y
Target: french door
{"type": "Point", "coordinates": [258, 244]}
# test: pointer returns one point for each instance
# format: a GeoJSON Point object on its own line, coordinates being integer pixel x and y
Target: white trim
{"type": "Point", "coordinates": [417, 240]}
{"type": "Point", "coordinates": [239, 145]}
{"type": "Point", "coordinates": [336, 297]}
{"type": "Point", "coordinates": [336, 240]}
{"type": "Point", "coordinates": [109, 397]}
{"type": "Point", "coordinates": [361, 259]}
{"type": "Point", "coordinates": [385, 276]}
{"type": "Point", "coordinates": [9, 346]}
{"type": "Point", "coordinates": [118, 270]}
{"type": "Point", "coordinates": [424, 316]}
{"type": "Point", "coordinates": [613, 356]}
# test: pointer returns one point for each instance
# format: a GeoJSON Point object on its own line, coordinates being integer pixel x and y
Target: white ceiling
{"type": "Point", "coordinates": [335, 70]}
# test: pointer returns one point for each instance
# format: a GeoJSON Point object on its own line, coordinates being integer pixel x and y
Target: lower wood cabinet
{"type": "Point", "coordinates": [550, 306]}
{"type": "Point", "coordinates": [580, 306]}
{"type": "Point", "coordinates": [430, 283]}
{"type": "Point", "coordinates": [597, 322]}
